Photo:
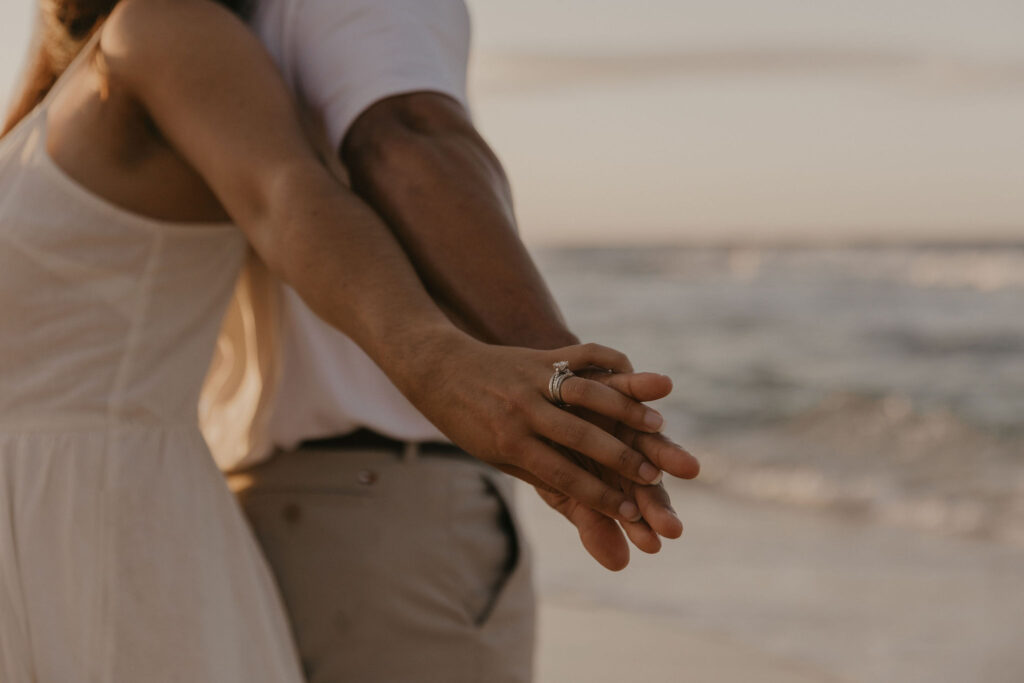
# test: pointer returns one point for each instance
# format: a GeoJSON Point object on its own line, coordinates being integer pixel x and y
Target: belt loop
{"type": "Point", "coordinates": [411, 452]}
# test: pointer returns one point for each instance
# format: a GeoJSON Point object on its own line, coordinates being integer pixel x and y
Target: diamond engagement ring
{"type": "Point", "coordinates": [562, 373]}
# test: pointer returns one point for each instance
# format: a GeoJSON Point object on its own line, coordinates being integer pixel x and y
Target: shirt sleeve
{"type": "Point", "coordinates": [346, 55]}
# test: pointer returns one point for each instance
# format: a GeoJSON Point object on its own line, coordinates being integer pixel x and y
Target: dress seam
{"type": "Point", "coordinates": [139, 315]}
{"type": "Point", "coordinates": [106, 648]}
{"type": "Point", "coordinates": [25, 623]}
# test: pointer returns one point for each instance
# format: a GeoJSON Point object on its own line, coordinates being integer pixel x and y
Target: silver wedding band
{"type": "Point", "coordinates": [562, 373]}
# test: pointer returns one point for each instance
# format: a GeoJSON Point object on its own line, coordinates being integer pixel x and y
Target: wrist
{"type": "Point", "coordinates": [421, 359]}
{"type": "Point", "coordinates": [553, 337]}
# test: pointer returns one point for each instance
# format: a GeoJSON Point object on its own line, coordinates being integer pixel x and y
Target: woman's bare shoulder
{"type": "Point", "coordinates": [143, 39]}
{"type": "Point", "coordinates": [213, 92]}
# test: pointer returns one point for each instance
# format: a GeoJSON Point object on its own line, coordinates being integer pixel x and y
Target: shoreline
{"type": "Point", "coordinates": [759, 591]}
{"type": "Point", "coordinates": [781, 243]}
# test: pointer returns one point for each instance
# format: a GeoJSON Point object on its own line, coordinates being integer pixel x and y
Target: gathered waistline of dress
{"type": "Point", "coordinates": [73, 425]}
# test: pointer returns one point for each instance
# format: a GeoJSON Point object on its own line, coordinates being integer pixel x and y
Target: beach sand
{"type": "Point", "coordinates": [763, 592]}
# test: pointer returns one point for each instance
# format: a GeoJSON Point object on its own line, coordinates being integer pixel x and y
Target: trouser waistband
{"type": "Point", "coordinates": [365, 439]}
{"type": "Point", "coordinates": [324, 466]}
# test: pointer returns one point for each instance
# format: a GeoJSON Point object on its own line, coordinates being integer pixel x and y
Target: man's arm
{"type": "Point", "coordinates": [419, 161]}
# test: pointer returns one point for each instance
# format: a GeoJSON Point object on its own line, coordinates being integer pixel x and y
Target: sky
{"type": "Point", "coordinates": [628, 121]}
{"type": "Point", "coordinates": [15, 22]}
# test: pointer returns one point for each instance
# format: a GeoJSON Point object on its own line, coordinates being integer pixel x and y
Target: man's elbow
{"type": "Point", "coordinates": [404, 136]}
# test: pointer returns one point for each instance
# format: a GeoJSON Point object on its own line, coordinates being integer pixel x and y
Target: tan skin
{"type": "Point", "coordinates": [417, 159]}
{"type": "Point", "coordinates": [189, 146]}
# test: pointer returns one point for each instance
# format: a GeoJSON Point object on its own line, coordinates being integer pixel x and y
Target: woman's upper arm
{"type": "Point", "coordinates": [214, 94]}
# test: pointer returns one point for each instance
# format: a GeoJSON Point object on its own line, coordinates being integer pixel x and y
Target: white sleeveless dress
{"type": "Point", "coordinates": [123, 557]}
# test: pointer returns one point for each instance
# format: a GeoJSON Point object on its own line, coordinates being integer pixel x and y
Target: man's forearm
{"type": "Point", "coordinates": [420, 163]}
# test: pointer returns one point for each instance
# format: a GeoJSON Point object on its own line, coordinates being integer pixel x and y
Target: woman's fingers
{"type": "Point", "coordinates": [589, 440]}
{"type": "Point", "coordinates": [587, 355]}
{"type": "Point", "coordinates": [663, 453]}
{"type": "Point", "coordinates": [559, 473]}
{"type": "Point", "coordinates": [606, 401]}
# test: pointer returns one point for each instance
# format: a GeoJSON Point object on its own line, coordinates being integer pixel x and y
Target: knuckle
{"type": "Point", "coordinates": [574, 433]}
{"type": "Point", "coordinates": [608, 500]}
{"type": "Point", "coordinates": [576, 391]}
{"type": "Point", "coordinates": [622, 360]}
{"type": "Point", "coordinates": [509, 444]}
{"type": "Point", "coordinates": [634, 412]}
{"type": "Point", "coordinates": [627, 460]}
{"type": "Point", "coordinates": [628, 405]}
{"type": "Point", "coordinates": [562, 478]}
{"type": "Point", "coordinates": [527, 460]}
{"type": "Point", "coordinates": [631, 438]}
{"type": "Point", "coordinates": [518, 401]}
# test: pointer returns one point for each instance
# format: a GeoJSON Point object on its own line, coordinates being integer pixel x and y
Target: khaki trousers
{"type": "Point", "coordinates": [396, 568]}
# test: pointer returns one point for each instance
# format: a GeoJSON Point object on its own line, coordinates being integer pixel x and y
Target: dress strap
{"type": "Point", "coordinates": [83, 54]}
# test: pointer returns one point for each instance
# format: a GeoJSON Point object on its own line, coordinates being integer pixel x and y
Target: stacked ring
{"type": "Point", "coordinates": [562, 373]}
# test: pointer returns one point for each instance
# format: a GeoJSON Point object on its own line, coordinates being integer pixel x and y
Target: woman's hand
{"type": "Point", "coordinates": [493, 401]}
{"type": "Point", "coordinates": [600, 535]}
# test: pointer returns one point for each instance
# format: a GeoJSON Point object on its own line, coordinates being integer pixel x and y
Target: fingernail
{"type": "Point", "coordinates": [653, 419]}
{"type": "Point", "coordinates": [650, 473]}
{"type": "Point", "coordinates": [629, 510]}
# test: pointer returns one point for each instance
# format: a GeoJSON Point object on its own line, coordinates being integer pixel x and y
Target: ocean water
{"type": "Point", "coordinates": [882, 382]}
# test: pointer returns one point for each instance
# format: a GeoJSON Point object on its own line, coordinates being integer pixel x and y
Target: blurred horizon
{"type": "Point", "coordinates": [741, 122]}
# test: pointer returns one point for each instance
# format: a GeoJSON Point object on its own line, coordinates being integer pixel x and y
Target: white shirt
{"type": "Point", "coordinates": [340, 57]}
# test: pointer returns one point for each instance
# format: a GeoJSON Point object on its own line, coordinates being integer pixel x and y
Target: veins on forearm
{"type": "Point", "coordinates": [445, 196]}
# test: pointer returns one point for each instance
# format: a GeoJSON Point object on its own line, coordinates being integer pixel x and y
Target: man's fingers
{"type": "Point", "coordinates": [589, 440]}
{"type": "Point", "coordinates": [600, 535]}
{"type": "Point", "coordinates": [657, 511]}
{"type": "Point", "coordinates": [560, 474]}
{"type": "Point", "coordinates": [642, 536]}
{"type": "Point", "coordinates": [520, 473]}
{"type": "Point", "coordinates": [606, 401]}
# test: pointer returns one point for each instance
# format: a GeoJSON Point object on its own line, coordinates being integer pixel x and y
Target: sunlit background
{"type": "Point", "coordinates": [810, 215]}
{"type": "Point", "coordinates": [708, 120]}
